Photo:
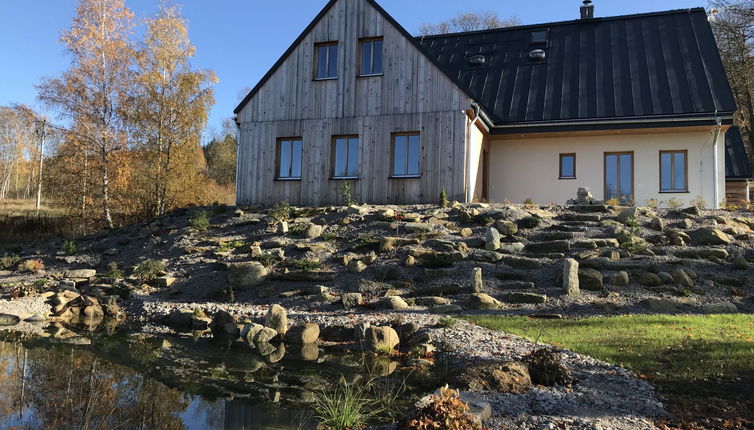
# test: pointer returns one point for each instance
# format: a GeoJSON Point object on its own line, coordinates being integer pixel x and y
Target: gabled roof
{"type": "Point", "coordinates": [654, 66]}
{"type": "Point", "coordinates": [310, 27]}
{"type": "Point", "coordinates": [737, 163]}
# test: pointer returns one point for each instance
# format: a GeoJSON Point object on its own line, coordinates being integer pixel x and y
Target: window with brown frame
{"type": "Point", "coordinates": [345, 157]}
{"type": "Point", "coordinates": [568, 166]}
{"type": "Point", "coordinates": [326, 60]}
{"type": "Point", "coordinates": [674, 171]}
{"type": "Point", "coordinates": [406, 152]}
{"type": "Point", "coordinates": [289, 154]}
{"type": "Point", "coordinates": [371, 56]}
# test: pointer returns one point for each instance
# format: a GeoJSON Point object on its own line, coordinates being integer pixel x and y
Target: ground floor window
{"type": "Point", "coordinates": [673, 171]}
{"type": "Point", "coordinates": [406, 153]}
{"type": "Point", "coordinates": [567, 166]}
{"type": "Point", "coordinates": [345, 153]}
{"type": "Point", "coordinates": [289, 151]}
{"type": "Point", "coordinates": [619, 176]}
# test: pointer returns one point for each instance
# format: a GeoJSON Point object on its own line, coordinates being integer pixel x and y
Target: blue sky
{"type": "Point", "coordinates": [241, 39]}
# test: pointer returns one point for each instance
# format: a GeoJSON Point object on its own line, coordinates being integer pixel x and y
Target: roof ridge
{"type": "Point", "coordinates": [568, 22]}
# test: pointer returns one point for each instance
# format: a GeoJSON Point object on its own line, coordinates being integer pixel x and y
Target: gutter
{"type": "Point", "coordinates": [655, 119]}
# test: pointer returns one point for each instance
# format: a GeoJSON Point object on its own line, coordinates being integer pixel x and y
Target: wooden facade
{"type": "Point", "coordinates": [737, 192]}
{"type": "Point", "coordinates": [412, 95]}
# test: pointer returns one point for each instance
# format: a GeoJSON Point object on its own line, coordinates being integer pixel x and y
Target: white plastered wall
{"type": "Point", "coordinates": [528, 167]}
{"type": "Point", "coordinates": [476, 143]}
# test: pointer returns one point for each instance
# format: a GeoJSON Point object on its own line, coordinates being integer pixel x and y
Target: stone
{"type": "Point", "coordinates": [445, 309]}
{"type": "Point", "coordinates": [477, 283]}
{"type": "Point", "coordinates": [439, 273]}
{"type": "Point", "coordinates": [379, 339]}
{"type": "Point", "coordinates": [365, 286]}
{"type": "Point", "coordinates": [650, 280]}
{"type": "Point", "coordinates": [431, 301]}
{"type": "Point", "coordinates": [620, 279]}
{"type": "Point", "coordinates": [662, 305]}
{"type": "Point", "coordinates": [313, 231]}
{"type": "Point", "coordinates": [635, 214]}
{"type": "Point", "coordinates": [682, 278]}
{"type": "Point", "coordinates": [483, 301]}
{"type": "Point", "coordinates": [419, 227]}
{"type": "Point", "coordinates": [410, 261]}
{"type": "Point", "coordinates": [666, 277]}
{"type": "Point", "coordinates": [357, 210]}
{"type": "Point", "coordinates": [584, 196]}
{"type": "Point", "coordinates": [303, 334]}
{"type": "Point", "coordinates": [710, 236]}
{"type": "Point", "coordinates": [503, 377]}
{"type": "Point", "coordinates": [224, 327]}
{"type": "Point", "coordinates": [283, 227]}
{"type": "Point", "coordinates": [484, 256]}
{"type": "Point", "coordinates": [506, 227]}
{"type": "Point", "coordinates": [571, 277]}
{"type": "Point", "coordinates": [466, 232]}
{"type": "Point", "coordinates": [164, 281]}
{"type": "Point", "coordinates": [246, 275]}
{"type": "Point", "coordinates": [277, 319]}
{"type": "Point", "coordinates": [351, 300]}
{"type": "Point", "coordinates": [80, 274]}
{"type": "Point", "coordinates": [249, 332]}
{"type": "Point", "coordinates": [702, 253]}
{"type": "Point", "coordinates": [511, 248]}
{"type": "Point", "coordinates": [7, 320]}
{"type": "Point", "coordinates": [591, 280]}
{"type": "Point", "coordinates": [393, 303]}
{"type": "Point", "coordinates": [554, 246]}
{"type": "Point", "coordinates": [356, 266]}
{"type": "Point", "coordinates": [264, 337]}
{"type": "Point", "coordinates": [720, 308]}
{"type": "Point", "coordinates": [492, 239]}
{"type": "Point", "coordinates": [526, 298]}
{"type": "Point", "coordinates": [740, 263]}
{"type": "Point", "coordinates": [657, 224]}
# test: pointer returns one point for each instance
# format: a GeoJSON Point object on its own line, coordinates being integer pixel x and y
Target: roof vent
{"type": "Point", "coordinates": [587, 10]}
{"type": "Point", "coordinates": [478, 60]}
{"type": "Point", "coordinates": [537, 54]}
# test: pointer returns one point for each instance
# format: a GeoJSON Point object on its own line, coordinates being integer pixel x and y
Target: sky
{"type": "Point", "coordinates": [241, 39]}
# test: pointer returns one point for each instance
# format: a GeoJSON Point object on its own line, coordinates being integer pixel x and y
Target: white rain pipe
{"type": "Point", "coordinates": [715, 167]}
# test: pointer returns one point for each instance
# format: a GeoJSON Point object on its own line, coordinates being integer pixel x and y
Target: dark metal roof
{"type": "Point", "coordinates": [656, 67]}
{"type": "Point", "coordinates": [737, 163]}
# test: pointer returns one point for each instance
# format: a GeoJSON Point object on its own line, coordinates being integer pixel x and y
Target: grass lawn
{"type": "Point", "coordinates": [703, 366]}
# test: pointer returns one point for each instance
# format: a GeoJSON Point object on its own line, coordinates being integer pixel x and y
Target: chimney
{"type": "Point", "coordinates": [587, 10]}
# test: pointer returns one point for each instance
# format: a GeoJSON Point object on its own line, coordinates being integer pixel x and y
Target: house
{"type": "Point", "coordinates": [634, 107]}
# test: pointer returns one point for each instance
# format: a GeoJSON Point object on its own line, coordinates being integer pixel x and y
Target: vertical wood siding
{"type": "Point", "coordinates": [413, 95]}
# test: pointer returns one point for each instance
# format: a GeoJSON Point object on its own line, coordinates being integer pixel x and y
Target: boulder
{"type": "Point", "coordinates": [419, 227]}
{"type": "Point", "coordinates": [7, 320]}
{"type": "Point", "coordinates": [249, 332]}
{"type": "Point", "coordinates": [516, 285]}
{"type": "Point", "coordinates": [356, 266]}
{"type": "Point", "coordinates": [682, 278]}
{"type": "Point", "coordinates": [263, 337]}
{"type": "Point", "coordinates": [431, 301]}
{"type": "Point", "coordinates": [710, 236]}
{"type": "Point", "coordinates": [649, 279]}
{"type": "Point", "coordinates": [393, 303]}
{"type": "Point", "coordinates": [445, 309]}
{"type": "Point", "coordinates": [662, 305]}
{"type": "Point", "coordinates": [313, 231]}
{"type": "Point", "coordinates": [740, 263]}
{"type": "Point", "coordinates": [634, 213]}
{"type": "Point", "coordinates": [381, 339]}
{"type": "Point", "coordinates": [164, 281]}
{"type": "Point", "coordinates": [477, 283]}
{"type": "Point", "coordinates": [591, 280]}
{"type": "Point", "coordinates": [390, 243]}
{"type": "Point", "coordinates": [571, 277]}
{"type": "Point", "coordinates": [351, 300]}
{"type": "Point", "coordinates": [492, 239]}
{"type": "Point", "coordinates": [277, 319]}
{"type": "Point", "coordinates": [702, 253]}
{"type": "Point", "coordinates": [526, 298]}
{"type": "Point", "coordinates": [224, 327]}
{"type": "Point", "coordinates": [503, 377]}
{"type": "Point", "coordinates": [657, 224]}
{"type": "Point", "coordinates": [619, 279]}
{"type": "Point", "coordinates": [511, 248]}
{"type": "Point", "coordinates": [584, 196]}
{"type": "Point", "coordinates": [303, 334]}
{"type": "Point", "coordinates": [666, 277]}
{"type": "Point", "coordinates": [506, 227]}
{"type": "Point", "coordinates": [720, 308]}
{"type": "Point", "coordinates": [483, 301]}
{"type": "Point", "coordinates": [80, 274]}
{"type": "Point", "coordinates": [246, 274]}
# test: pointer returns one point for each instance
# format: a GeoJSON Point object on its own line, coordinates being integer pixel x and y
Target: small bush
{"type": "Point", "coordinates": [699, 202]}
{"type": "Point", "coordinates": [674, 203]}
{"type": "Point", "coordinates": [306, 265]}
{"type": "Point", "coordinates": [346, 407]}
{"type": "Point", "coordinates": [546, 368]}
{"type": "Point", "coordinates": [267, 260]}
{"type": "Point", "coordinates": [447, 322]}
{"type": "Point", "coordinates": [444, 202]}
{"type": "Point", "coordinates": [113, 272]}
{"type": "Point", "coordinates": [529, 222]}
{"type": "Point", "coordinates": [200, 221]}
{"type": "Point", "coordinates": [229, 246]}
{"type": "Point", "coordinates": [281, 212]}
{"type": "Point", "coordinates": [346, 193]}
{"type": "Point", "coordinates": [329, 237]}
{"type": "Point", "coordinates": [297, 229]}
{"type": "Point", "coordinates": [652, 203]}
{"type": "Point", "coordinates": [9, 261]}
{"type": "Point", "coordinates": [612, 202]}
{"type": "Point", "coordinates": [446, 411]}
{"type": "Point", "coordinates": [40, 283]}
{"type": "Point", "coordinates": [32, 266]}
{"type": "Point", "coordinates": [528, 202]}
{"type": "Point", "coordinates": [70, 247]}
{"type": "Point", "coordinates": [149, 270]}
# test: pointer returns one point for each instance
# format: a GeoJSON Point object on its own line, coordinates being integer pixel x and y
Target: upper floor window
{"type": "Point", "coordinates": [567, 166]}
{"type": "Point", "coordinates": [371, 56]}
{"type": "Point", "coordinates": [345, 157]}
{"type": "Point", "coordinates": [326, 59]}
{"type": "Point", "coordinates": [406, 154]}
{"type": "Point", "coordinates": [673, 171]}
{"type": "Point", "coordinates": [289, 153]}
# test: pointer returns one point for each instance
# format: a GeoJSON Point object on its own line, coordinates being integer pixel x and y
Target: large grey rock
{"type": "Point", "coordinates": [81, 273]}
{"type": "Point", "coordinates": [526, 298]}
{"type": "Point", "coordinates": [419, 227]}
{"type": "Point", "coordinates": [591, 280]}
{"type": "Point", "coordinates": [263, 337]}
{"type": "Point", "coordinates": [506, 227]}
{"type": "Point", "coordinates": [483, 302]}
{"type": "Point", "coordinates": [249, 332]}
{"type": "Point", "coordinates": [650, 280]}
{"type": "Point", "coordinates": [7, 320]}
{"type": "Point", "coordinates": [393, 303]}
{"type": "Point", "coordinates": [246, 274]}
{"type": "Point", "coordinates": [380, 339]}
{"type": "Point", "coordinates": [511, 248]}
{"type": "Point", "coordinates": [224, 327]}
{"type": "Point", "coordinates": [277, 319]}
{"type": "Point", "coordinates": [445, 309]}
{"type": "Point", "coordinates": [303, 334]}
{"type": "Point", "coordinates": [571, 277]}
{"type": "Point", "coordinates": [720, 308]}
{"type": "Point", "coordinates": [492, 239]}
{"type": "Point", "coordinates": [313, 231]}
{"type": "Point", "coordinates": [620, 279]}
{"type": "Point", "coordinates": [710, 236]}
{"type": "Point", "coordinates": [682, 278]}
{"type": "Point", "coordinates": [584, 196]}
{"type": "Point", "coordinates": [662, 305]}
{"type": "Point", "coordinates": [351, 300]}
{"type": "Point", "coordinates": [477, 283]}
{"type": "Point", "coordinates": [703, 253]}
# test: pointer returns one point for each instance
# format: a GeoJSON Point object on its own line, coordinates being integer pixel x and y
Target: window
{"type": "Point", "coordinates": [673, 171]}
{"type": "Point", "coordinates": [345, 157]}
{"type": "Point", "coordinates": [567, 166]}
{"type": "Point", "coordinates": [538, 37]}
{"type": "Point", "coordinates": [326, 60]}
{"type": "Point", "coordinates": [289, 158]}
{"type": "Point", "coordinates": [406, 150]}
{"type": "Point", "coordinates": [371, 56]}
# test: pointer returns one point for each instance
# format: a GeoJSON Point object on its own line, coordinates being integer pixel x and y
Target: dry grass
{"type": "Point", "coordinates": [24, 208]}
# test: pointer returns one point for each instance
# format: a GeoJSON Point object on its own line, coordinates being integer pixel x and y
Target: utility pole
{"type": "Point", "coordinates": [41, 134]}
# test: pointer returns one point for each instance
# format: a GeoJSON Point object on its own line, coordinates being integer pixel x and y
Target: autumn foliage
{"type": "Point", "coordinates": [445, 411]}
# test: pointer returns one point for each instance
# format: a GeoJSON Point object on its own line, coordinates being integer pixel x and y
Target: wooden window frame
{"type": "Point", "coordinates": [633, 171]}
{"type": "Point", "coordinates": [392, 155]}
{"type": "Point", "coordinates": [278, 142]}
{"type": "Point", "coordinates": [316, 60]}
{"type": "Point", "coordinates": [362, 40]}
{"type": "Point", "coordinates": [685, 189]}
{"type": "Point", "coordinates": [333, 154]}
{"type": "Point", "coordinates": [560, 167]}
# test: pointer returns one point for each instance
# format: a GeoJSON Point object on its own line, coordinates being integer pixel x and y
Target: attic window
{"type": "Point", "coordinates": [539, 37]}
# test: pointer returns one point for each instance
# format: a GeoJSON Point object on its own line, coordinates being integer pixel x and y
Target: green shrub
{"type": "Point", "coordinates": [9, 261]}
{"type": "Point", "coordinates": [613, 202]}
{"type": "Point", "coordinates": [346, 193]}
{"type": "Point", "coordinates": [229, 246]}
{"type": "Point", "coordinates": [70, 247]}
{"type": "Point", "coordinates": [447, 322]}
{"type": "Point", "coordinates": [444, 202]}
{"type": "Point", "coordinates": [699, 202]}
{"type": "Point", "coordinates": [652, 203]}
{"type": "Point", "coordinates": [674, 203]}
{"type": "Point", "coordinates": [346, 407]}
{"type": "Point", "coordinates": [329, 237]}
{"type": "Point", "coordinates": [529, 222]}
{"type": "Point", "coordinates": [306, 265]}
{"type": "Point", "coordinates": [113, 272]}
{"type": "Point", "coordinates": [200, 221]}
{"type": "Point", "coordinates": [281, 212]}
{"type": "Point", "coordinates": [267, 260]}
{"type": "Point", "coordinates": [148, 270]}
{"type": "Point", "coordinates": [297, 229]}
{"type": "Point", "coordinates": [529, 201]}
{"type": "Point", "coordinates": [39, 283]}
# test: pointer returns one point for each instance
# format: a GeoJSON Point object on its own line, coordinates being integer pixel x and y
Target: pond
{"type": "Point", "coordinates": [137, 381]}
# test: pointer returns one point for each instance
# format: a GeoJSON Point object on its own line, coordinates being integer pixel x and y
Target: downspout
{"type": "Point", "coordinates": [469, 123]}
{"type": "Point", "coordinates": [715, 167]}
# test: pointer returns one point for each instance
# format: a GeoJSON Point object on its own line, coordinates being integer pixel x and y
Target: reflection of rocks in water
{"type": "Point", "coordinates": [381, 366]}
{"type": "Point", "coordinates": [265, 348]}
{"type": "Point", "coordinates": [277, 355]}
{"type": "Point", "coordinates": [240, 415]}
{"type": "Point", "coordinates": [308, 352]}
